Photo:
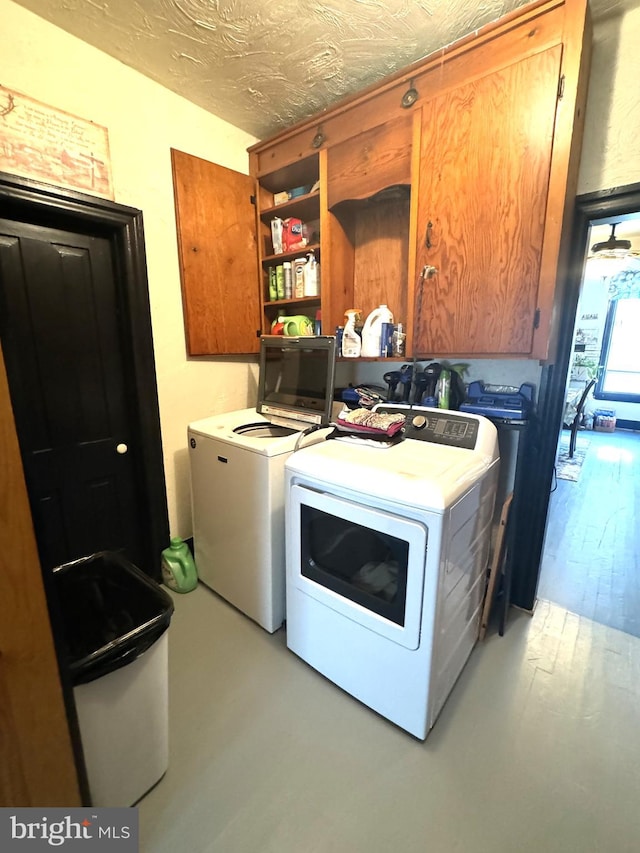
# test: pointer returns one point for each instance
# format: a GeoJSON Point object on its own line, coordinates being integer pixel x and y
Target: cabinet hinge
{"type": "Point", "coordinates": [536, 319]}
{"type": "Point", "coordinates": [252, 199]}
{"type": "Point", "coordinates": [258, 332]}
{"type": "Point", "coordinates": [561, 87]}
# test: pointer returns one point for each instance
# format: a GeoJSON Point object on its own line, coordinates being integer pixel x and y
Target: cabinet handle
{"type": "Point", "coordinates": [427, 236]}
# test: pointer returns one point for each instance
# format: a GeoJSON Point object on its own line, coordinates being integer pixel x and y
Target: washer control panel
{"type": "Point", "coordinates": [438, 427]}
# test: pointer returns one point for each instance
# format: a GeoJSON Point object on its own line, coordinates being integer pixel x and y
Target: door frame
{"type": "Point", "coordinates": [590, 208]}
{"type": "Point", "coordinates": [30, 201]}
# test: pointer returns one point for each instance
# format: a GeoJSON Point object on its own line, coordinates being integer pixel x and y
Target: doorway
{"type": "Point", "coordinates": [603, 206]}
{"type": "Point", "coordinates": [76, 332]}
{"type": "Point", "coordinates": [589, 558]}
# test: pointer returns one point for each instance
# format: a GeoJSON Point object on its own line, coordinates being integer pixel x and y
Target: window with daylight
{"type": "Point", "coordinates": [619, 371]}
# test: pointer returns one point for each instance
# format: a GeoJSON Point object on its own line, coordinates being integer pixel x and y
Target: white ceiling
{"type": "Point", "coordinates": [265, 65]}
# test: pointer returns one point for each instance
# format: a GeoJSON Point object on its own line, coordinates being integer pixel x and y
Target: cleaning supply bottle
{"type": "Point", "coordinates": [372, 331]}
{"type": "Point", "coordinates": [178, 568]}
{"type": "Point", "coordinates": [351, 342]}
{"type": "Point", "coordinates": [443, 388]}
{"type": "Point", "coordinates": [398, 340]}
{"type": "Point", "coordinates": [311, 276]}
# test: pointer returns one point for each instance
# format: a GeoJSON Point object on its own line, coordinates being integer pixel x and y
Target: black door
{"type": "Point", "coordinates": [66, 357]}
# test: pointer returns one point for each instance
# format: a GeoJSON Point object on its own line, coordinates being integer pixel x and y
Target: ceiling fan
{"type": "Point", "coordinates": [614, 248]}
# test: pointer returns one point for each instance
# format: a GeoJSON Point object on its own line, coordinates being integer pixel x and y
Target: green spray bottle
{"type": "Point", "coordinates": [178, 567]}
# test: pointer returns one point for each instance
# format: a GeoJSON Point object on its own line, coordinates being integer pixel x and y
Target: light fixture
{"type": "Point", "coordinates": [613, 244]}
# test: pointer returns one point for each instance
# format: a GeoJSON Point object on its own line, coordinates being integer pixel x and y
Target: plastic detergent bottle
{"type": "Point", "coordinates": [351, 342]}
{"type": "Point", "coordinates": [372, 331]}
{"type": "Point", "coordinates": [311, 276]}
{"type": "Point", "coordinates": [178, 568]}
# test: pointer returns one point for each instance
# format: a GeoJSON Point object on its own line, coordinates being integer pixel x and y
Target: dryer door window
{"type": "Point", "coordinates": [360, 563]}
{"type": "Point", "coordinates": [363, 562]}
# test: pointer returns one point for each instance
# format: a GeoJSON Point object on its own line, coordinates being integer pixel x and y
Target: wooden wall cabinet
{"type": "Point", "coordinates": [367, 221]}
{"type": "Point", "coordinates": [472, 178]}
{"type": "Point", "coordinates": [217, 247]}
{"type": "Point", "coordinates": [485, 164]}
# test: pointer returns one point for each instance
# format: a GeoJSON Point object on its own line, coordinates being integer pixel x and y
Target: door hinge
{"type": "Point", "coordinates": [561, 87]}
{"type": "Point", "coordinates": [536, 319]}
{"type": "Point", "coordinates": [252, 199]}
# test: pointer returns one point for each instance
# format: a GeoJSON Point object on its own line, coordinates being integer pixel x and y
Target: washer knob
{"type": "Point", "coordinates": [419, 422]}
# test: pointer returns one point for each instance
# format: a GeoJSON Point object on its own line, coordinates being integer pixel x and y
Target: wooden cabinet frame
{"type": "Point", "coordinates": [524, 33]}
{"type": "Point", "coordinates": [372, 138]}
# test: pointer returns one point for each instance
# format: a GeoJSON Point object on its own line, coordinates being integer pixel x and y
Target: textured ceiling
{"type": "Point", "coordinates": [265, 65]}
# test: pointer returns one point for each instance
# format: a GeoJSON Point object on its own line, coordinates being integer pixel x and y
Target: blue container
{"type": "Point", "coordinates": [386, 337]}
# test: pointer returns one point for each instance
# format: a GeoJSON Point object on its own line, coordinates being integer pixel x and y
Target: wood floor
{"type": "Point", "coordinates": [591, 561]}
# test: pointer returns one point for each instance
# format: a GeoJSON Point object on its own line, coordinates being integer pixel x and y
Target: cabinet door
{"type": "Point", "coordinates": [216, 223]}
{"type": "Point", "coordinates": [370, 162]}
{"type": "Point", "coordinates": [484, 175]}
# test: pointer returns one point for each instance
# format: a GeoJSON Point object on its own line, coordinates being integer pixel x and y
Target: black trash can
{"type": "Point", "coordinates": [115, 622]}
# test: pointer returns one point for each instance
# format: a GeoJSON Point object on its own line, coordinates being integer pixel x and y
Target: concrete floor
{"type": "Point", "coordinates": [537, 748]}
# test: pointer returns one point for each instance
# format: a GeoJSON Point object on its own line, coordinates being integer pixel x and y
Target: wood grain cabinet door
{"type": "Point", "coordinates": [485, 161]}
{"type": "Point", "coordinates": [217, 243]}
{"type": "Point", "coordinates": [373, 161]}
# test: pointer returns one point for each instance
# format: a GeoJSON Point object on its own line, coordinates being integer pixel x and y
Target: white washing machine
{"type": "Point", "coordinates": [387, 551]}
{"type": "Point", "coordinates": [237, 475]}
{"type": "Point", "coordinates": [237, 490]}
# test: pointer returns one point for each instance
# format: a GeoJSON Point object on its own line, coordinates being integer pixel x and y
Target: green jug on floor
{"type": "Point", "coordinates": [178, 567]}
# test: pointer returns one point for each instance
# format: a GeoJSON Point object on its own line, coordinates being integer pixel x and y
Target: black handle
{"type": "Point", "coordinates": [427, 236]}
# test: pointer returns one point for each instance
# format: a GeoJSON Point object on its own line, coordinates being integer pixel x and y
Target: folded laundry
{"type": "Point", "coordinates": [367, 422]}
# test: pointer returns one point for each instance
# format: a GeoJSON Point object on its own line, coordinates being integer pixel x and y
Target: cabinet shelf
{"type": "Point", "coordinates": [300, 300]}
{"type": "Point", "coordinates": [304, 207]}
{"type": "Point", "coordinates": [270, 260]}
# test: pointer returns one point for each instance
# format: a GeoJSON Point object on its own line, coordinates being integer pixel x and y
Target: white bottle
{"type": "Point", "coordinates": [298, 266]}
{"type": "Point", "coordinates": [398, 340]}
{"type": "Point", "coordinates": [311, 276]}
{"type": "Point", "coordinates": [351, 343]}
{"type": "Point", "coordinates": [372, 331]}
{"type": "Point", "coordinates": [288, 280]}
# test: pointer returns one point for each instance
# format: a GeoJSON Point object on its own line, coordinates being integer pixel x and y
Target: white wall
{"type": "Point", "coordinates": [144, 121]}
{"type": "Point", "coordinates": [610, 149]}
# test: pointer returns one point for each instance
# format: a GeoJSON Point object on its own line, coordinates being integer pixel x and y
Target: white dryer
{"type": "Point", "coordinates": [386, 556]}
